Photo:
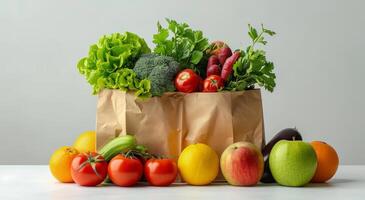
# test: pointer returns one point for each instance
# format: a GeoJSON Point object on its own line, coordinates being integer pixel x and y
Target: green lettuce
{"type": "Point", "coordinates": [110, 62]}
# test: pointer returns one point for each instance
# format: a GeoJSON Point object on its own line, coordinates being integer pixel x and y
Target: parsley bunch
{"type": "Point", "coordinates": [252, 67]}
{"type": "Point", "coordinates": [179, 41]}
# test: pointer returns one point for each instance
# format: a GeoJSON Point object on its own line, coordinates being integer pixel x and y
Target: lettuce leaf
{"type": "Point", "coordinates": [110, 62]}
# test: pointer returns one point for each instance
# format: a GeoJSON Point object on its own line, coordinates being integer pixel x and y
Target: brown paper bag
{"type": "Point", "coordinates": [167, 124]}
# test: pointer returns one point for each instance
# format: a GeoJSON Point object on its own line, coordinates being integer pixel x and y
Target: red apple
{"type": "Point", "coordinates": [242, 164]}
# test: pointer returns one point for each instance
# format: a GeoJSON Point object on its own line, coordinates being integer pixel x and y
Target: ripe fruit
{"type": "Point", "coordinates": [213, 83]}
{"type": "Point", "coordinates": [242, 164]}
{"type": "Point", "coordinates": [160, 172]}
{"type": "Point", "coordinates": [292, 163]}
{"type": "Point", "coordinates": [86, 142]}
{"type": "Point", "coordinates": [198, 164]}
{"type": "Point", "coordinates": [285, 134]}
{"type": "Point", "coordinates": [60, 163]}
{"type": "Point", "coordinates": [187, 81]}
{"type": "Point", "coordinates": [125, 171]}
{"type": "Point", "coordinates": [89, 169]}
{"type": "Point", "coordinates": [327, 162]}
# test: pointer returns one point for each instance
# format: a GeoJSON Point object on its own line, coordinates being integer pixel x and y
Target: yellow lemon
{"type": "Point", "coordinates": [198, 164]}
{"type": "Point", "coordinates": [86, 142]}
{"type": "Point", "coordinates": [60, 163]}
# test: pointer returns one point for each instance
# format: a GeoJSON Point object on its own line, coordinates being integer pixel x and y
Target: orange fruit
{"type": "Point", "coordinates": [60, 163]}
{"type": "Point", "coordinates": [327, 162]}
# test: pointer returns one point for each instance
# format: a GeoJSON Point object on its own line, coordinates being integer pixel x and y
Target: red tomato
{"type": "Point", "coordinates": [89, 169]}
{"type": "Point", "coordinates": [160, 172]}
{"type": "Point", "coordinates": [213, 83]}
{"type": "Point", "coordinates": [125, 171]}
{"type": "Point", "coordinates": [187, 81]}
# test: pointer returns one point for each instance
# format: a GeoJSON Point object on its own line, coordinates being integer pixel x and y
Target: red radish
{"type": "Point", "coordinates": [215, 46]}
{"type": "Point", "coordinates": [199, 87]}
{"type": "Point", "coordinates": [213, 60]}
{"type": "Point", "coordinates": [223, 54]}
{"type": "Point", "coordinates": [213, 70]}
{"type": "Point", "coordinates": [228, 65]}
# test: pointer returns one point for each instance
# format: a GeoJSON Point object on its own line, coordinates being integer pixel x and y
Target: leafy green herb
{"type": "Point", "coordinates": [109, 63]}
{"type": "Point", "coordinates": [179, 41]}
{"type": "Point", "coordinates": [252, 67]}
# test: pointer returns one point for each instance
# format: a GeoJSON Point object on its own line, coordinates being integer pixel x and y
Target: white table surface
{"type": "Point", "coordinates": [36, 182]}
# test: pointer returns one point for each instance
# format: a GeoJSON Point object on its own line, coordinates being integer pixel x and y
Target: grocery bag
{"type": "Point", "coordinates": [167, 124]}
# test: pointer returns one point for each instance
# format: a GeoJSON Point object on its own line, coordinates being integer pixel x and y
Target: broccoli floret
{"type": "Point", "coordinates": [160, 70]}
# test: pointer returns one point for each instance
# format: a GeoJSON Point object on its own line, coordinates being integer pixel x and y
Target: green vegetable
{"type": "Point", "coordinates": [109, 63]}
{"type": "Point", "coordinates": [160, 70]}
{"type": "Point", "coordinates": [179, 41]}
{"type": "Point", "coordinates": [118, 145]}
{"type": "Point", "coordinates": [252, 67]}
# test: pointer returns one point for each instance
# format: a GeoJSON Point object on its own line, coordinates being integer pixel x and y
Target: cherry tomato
{"type": "Point", "coordinates": [213, 83]}
{"type": "Point", "coordinates": [187, 81]}
{"type": "Point", "coordinates": [125, 171]}
{"type": "Point", "coordinates": [89, 169]}
{"type": "Point", "coordinates": [160, 172]}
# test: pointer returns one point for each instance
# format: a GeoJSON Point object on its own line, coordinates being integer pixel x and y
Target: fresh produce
{"type": "Point", "coordinates": [89, 169]}
{"type": "Point", "coordinates": [213, 83]}
{"type": "Point", "coordinates": [267, 176]}
{"type": "Point", "coordinates": [212, 60]}
{"type": "Point", "coordinates": [110, 62]}
{"type": "Point", "coordinates": [221, 50]}
{"type": "Point", "coordinates": [213, 70]}
{"type": "Point", "coordinates": [160, 70]}
{"type": "Point", "coordinates": [117, 145]}
{"type": "Point", "coordinates": [117, 61]}
{"type": "Point", "coordinates": [124, 170]}
{"type": "Point", "coordinates": [160, 172]}
{"type": "Point", "coordinates": [198, 164]}
{"type": "Point", "coordinates": [292, 163]}
{"type": "Point", "coordinates": [285, 134]}
{"type": "Point", "coordinates": [327, 159]}
{"type": "Point", "coordinates": [228, 65]}
{"type": "Point", "coordinates": [86, 142]}
{"type": "Point", "coordinates": [187, 81]}
{"type": "Point", "coordinates": [185, 45]}
{"type": "Point", "coordinates": [60, 163]}
{"type": "Point", "coordinates": [252, 67]}
{"type": "Point", "coordinates": [242, 164]}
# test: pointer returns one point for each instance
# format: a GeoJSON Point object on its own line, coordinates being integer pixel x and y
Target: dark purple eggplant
{"type": "Point", "coordinates": [285, 134]}
{"type": "Point", "coordinates": [267, 176]}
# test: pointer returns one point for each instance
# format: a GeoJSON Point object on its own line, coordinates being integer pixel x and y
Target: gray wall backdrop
{"type": "Point", "coordinates": [318, 53]}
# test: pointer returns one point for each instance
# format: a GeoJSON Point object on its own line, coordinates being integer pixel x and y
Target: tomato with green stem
{"type": "Point", "coordinates": [125, 170]}
{"type": "Point", "coordinates": [213, 83]}
{"type": "Point", "coordinates": [89, 169]}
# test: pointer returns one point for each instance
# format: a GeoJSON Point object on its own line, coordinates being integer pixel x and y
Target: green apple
{"type": "Point", "coordinates": [292, 163]}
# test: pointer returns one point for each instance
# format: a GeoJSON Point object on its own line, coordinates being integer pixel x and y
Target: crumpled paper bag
{"type": "Point", "coordinates": [167, 124]}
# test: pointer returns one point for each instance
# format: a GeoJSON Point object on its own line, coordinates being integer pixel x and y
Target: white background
{"type": "Point", "coordinates": [318, 53]}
